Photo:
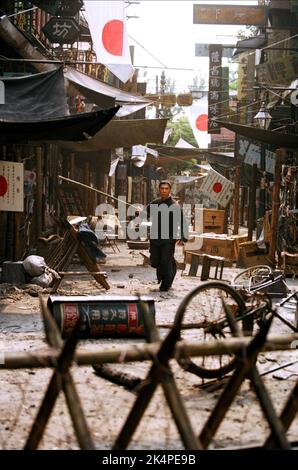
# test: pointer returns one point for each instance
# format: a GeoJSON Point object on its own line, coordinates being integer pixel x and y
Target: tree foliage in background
{"type": "Point", "coordinates": [181, 129]}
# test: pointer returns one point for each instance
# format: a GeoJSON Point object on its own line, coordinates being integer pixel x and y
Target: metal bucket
{"type": "Point", "coordinates": [101, 316]}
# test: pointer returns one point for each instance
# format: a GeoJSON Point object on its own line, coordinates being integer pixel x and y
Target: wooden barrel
{"type": "Point", "coordinates": [101, 316]}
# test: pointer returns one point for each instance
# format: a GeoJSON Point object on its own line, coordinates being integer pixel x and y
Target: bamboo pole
{"type": "Point", "coordinates": [97, 191]}
{"type": "Point", "coordinates": [145, 352]}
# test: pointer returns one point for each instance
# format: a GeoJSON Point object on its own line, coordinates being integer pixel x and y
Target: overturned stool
{"type": "Point", "coordinates": [206, 261]}
{"type": "Point", "coordinates": [219, 262]}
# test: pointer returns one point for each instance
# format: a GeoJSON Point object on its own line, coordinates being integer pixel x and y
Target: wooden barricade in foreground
{"type": "Point", "coordinates": [61, 355]}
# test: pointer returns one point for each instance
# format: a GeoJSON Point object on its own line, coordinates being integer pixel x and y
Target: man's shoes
{"type": "Point", "coordinates": [164, 289]}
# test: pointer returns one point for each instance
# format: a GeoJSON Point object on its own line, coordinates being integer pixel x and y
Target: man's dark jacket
{"type": "Point", "coordinates": [177, 224]}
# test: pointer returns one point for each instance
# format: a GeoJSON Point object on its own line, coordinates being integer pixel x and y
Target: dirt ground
{"type": "Point", "coordinates": [106, 405]}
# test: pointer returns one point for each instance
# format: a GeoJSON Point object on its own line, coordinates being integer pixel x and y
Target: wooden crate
{"type": "Point", "coordinates": [213, 221]}
{"type": "Point", "coordinates": [215, 245]}
{"type": "Point", "coordinates": [238, 239]}
{"type": "Point", "coordinates": [251, 255]}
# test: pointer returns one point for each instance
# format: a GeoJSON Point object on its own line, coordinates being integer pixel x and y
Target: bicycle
{"type": "Point", "coordinates": [218, 306]}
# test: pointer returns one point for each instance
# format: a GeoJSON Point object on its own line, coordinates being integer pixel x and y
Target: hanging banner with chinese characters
{"type": "Point", "coordinates": [280, 71]}
{"type": "Point", "coordinates": [249, 150]}
{"type": "Point", "coordinates": [11, 186]}
{"type": "Point", "coordinates": [215, 87]}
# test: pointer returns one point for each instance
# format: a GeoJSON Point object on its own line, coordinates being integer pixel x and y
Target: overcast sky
{"type": "Point", "coordinates": [166, 30]}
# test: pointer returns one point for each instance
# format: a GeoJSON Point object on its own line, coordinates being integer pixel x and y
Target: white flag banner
{"type": "Point", "coordinates": [152, 152]}
{"type": "Point", "coordinates": [138, 155]}
{"type": "Point", "coordinates": [197, 115]}
{"type": "Point", "coordinates": [167, 134]}
{"type": "Point", "coordinates": [113, 165]}
{"type": "Point", "coordinates": [107, 24]}
{"type": "Point", "coordinates": [217, 187]}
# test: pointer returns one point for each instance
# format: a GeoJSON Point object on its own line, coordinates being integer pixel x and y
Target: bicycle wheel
{"type": "Point", "coordinates": [201, 317]}
{"type": "Point", "coordinates": [252, 277]}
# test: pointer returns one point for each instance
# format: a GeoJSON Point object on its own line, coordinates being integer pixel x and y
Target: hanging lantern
{"type": "Point", "coordinates": [167, 99]}
{"type": "Point", "coordinates": [184, 99]}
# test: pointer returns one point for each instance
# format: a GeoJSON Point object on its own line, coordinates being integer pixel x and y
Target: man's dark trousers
{"type": "Point", "coordinates": [162, 258]}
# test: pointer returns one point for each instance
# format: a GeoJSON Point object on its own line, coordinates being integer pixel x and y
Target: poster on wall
{"type": "Point", "coordinates": [11, 186]}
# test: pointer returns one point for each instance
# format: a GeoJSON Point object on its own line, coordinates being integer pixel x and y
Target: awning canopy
{"type": "Point", "coordinates": [121, 133]}
{"type": "Point", "coordinates": [171, 155]}
{"type": "Point", "coordinates": [104, 95]}
{"type": "Point", "coordinates": [276, 139]}
{"type": "Point", "coordinates": [168, 154]}
{"type": "Point", "coordinates": [257, 42]}
{"type": "Point", "coordinates": [73, 127]}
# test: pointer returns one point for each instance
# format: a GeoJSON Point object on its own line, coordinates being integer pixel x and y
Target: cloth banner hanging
{"type": "Point", "coordinates": [114, 162]}
{"type": "Point", "coordinates": [217, 187]}
{"type": "Point", "coordinates": [197, 115]}
{"type": "Point", "coordinates": [138, 155]}
{"type": "Point", "coordinates": [107, 24]}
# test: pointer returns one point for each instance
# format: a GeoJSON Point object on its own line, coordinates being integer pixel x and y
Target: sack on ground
{"type": "Point", "coordinates": [34, 265]}
{"type": "Point", "coordinates": [44, 280]}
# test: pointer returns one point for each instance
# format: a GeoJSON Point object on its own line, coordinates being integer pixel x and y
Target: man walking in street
{"type": "Point", "coordinates": [168, 226]}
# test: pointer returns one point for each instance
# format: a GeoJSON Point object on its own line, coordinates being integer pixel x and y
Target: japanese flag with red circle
{"type": "Point", "coordinates": [11, 186]}
{"type": "Point", "coordinates": [197, 115]}
{"type": "Point", "coordinates": [107, 24]}
{"type": "Point", "coordinates": [217, 187]}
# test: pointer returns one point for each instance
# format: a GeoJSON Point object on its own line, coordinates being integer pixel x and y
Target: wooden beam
{"type": "Point", "coordinates": [252, 203]}
{"type": "Point", "coordinates": [39, 195]}
{"type": "Point", "coordinates": [236, 200]}
{"type": "Point", "coordinates": [275, 204]}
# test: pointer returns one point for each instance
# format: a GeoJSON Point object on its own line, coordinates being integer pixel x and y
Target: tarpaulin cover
{"type": "Point", "coordinates": [122, 133]}
{"type": "Point", "coordinates": [75, 127]}
{"type": "Point", "coordinates": [34, 97]}
{"type": "Point", "coordinates": [103, 94]}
